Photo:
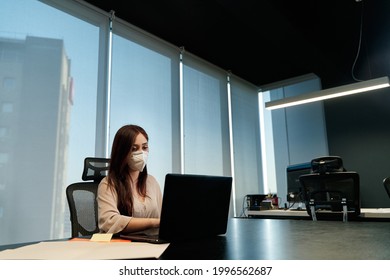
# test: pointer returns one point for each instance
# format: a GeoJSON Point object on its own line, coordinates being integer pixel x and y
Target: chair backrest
{"type": "Point", "coordinates": [386, 184]}
{"type": "Point", "coordinates": [95, 169]}
{"type": "Point", "coordinates": [83, 208]}
{"type": "Point", "coordinates": [326, 191]}
{"type": "Point", "coordinates": [327, 164]}
{"type": "Point", "coordinates": [81, 197]}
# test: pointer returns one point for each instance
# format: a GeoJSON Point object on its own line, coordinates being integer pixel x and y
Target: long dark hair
{"type": "Point", "coordinates": [119, 172]}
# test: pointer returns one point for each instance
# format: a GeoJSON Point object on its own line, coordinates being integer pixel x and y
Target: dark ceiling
{"type": "Point", "coordinates": [265, 41]}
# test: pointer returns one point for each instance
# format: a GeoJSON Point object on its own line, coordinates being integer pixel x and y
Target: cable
{"type": "Point", "coordinates": [359, 45]}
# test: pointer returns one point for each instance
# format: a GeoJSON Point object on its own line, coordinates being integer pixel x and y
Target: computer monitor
{"type": "Point", "coordinates": [294, 188]}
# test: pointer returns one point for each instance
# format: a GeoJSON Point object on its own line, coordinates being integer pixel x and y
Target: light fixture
{"type": "Point", "coordinates": [329, 93]}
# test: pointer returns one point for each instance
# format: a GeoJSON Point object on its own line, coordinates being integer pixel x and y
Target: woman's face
{"type": "Point", "coordinates": [140, 144]}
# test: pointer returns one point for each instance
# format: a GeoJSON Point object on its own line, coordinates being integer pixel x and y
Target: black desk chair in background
{"type": "Point", "coordinates": [81, 197]}
{"type": "Point", "coordinates": [329, 191]}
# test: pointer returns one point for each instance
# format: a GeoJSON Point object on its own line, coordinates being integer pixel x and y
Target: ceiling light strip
{"type": "Point", "coordinates": [329, 93]}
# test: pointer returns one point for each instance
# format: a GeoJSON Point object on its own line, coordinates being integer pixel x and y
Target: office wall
{"type": "Point", "coordinates": [358, 129]}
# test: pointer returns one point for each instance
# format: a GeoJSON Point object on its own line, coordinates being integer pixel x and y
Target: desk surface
{"type": "Point", "coordinates": [366, 213]}
{"type": "Point", "coordinates": [286, 239]}
{"type": "Point", "coordinates": [283, 239]}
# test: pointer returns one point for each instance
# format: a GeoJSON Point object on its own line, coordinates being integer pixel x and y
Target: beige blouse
{"type": "Point", "coordinates": [109, 218]}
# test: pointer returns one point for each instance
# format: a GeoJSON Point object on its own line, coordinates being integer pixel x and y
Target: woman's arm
{"type": "Point", "coordinates": [140, 224]}
{"type": "Point", "coordinates": [154, 212]}
{"type": "Point", "coordinates": [109, 218]}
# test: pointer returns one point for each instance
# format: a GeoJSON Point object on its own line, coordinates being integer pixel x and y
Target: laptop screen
{"type": "Point", "coordinates": [194, 206]}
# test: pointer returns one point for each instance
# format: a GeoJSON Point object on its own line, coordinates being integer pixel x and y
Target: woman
{"type": "Point", "coordinates": [129, 199]}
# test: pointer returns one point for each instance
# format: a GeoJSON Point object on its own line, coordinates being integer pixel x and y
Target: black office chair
{"type": "Point", "coordinates": [81, 197]}
{"type": "Point", "coordinates": [330, 192]}
{"type": "Point", "coordinates": [386, 184]}
{"type": "Point", "coordinates": [327, 164]}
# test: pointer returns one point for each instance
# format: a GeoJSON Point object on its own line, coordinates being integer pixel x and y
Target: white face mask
{"type": "Point", "coordinates": [137, 160]}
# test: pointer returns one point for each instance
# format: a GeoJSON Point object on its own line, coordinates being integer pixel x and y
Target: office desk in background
{"type": "Point", "coordinates": [287, 239]}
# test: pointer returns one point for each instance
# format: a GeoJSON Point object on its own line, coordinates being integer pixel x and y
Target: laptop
{"type": "Point", "coordinates": [193, 207]}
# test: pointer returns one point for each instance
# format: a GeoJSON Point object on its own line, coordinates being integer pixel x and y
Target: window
{"type": "Point", "coordinates": [3, 158]}
{"type": "Point", "coordinates": [3, 132]}
{"type": "Point", "coordinates": [206, 127]}
{"type": "Point", "coordinates": [7, 107]}
{"type": "Point", "coordinates": [50, 55]}
{"type": "Point", "coordinates": [8, 84]}
{"type": "Point", "coordinates": [145, 90]}
{"type": "Point", "coordinates": [246, 141]}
